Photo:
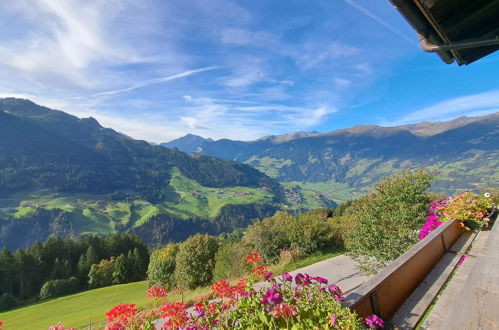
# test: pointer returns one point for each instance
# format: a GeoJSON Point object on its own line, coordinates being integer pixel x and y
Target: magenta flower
{"type": "Point", "coordinates": [321, 280]}
{"type": "Point", "coordinates": [299, 278]}
{"type": "Point", "coordinates": [374, 321]}
{"type": "Point", "coordinates": [334, 289]}
{"type": "Point", "coordinates": [267, 276]}
{"type": "Point", "coordinates": [287, 277]}
{"type": "Point", "coordinates": [272, 297]}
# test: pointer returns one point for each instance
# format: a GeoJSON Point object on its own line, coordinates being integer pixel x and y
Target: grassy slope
{"type": "Point", "coordinates": [76, 310]}
{"type": "Point", "coordinates": [97, 214]}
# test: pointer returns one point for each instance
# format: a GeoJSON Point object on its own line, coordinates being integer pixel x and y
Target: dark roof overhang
{"type": "Point", "coordinates": [457, 30]}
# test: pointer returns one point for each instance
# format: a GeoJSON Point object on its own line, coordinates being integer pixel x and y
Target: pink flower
{"type": "Point", "coordinates": [321, 280]}
{"type": "Point", "coordinates": [267, 276]}
{"type": "Point", "coordinates": [374, 321]}
{"type": "Point", "coordinates": [287, 277]}
{"type": "Point", "coordinates": [461, 260]}
{"type": "Point", "coordinates": [272, 297]}
{"type": "Point", "coordinates": [332, 320]}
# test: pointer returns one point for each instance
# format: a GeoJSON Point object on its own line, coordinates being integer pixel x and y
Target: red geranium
{"type": "Point", "coordinates": [175, 313]}
{"type": "Point", "coordinates": [120, 316]}
{"type": "Point", "coordinates": [156, 292]}
{"type": "Point", "coordinates": [254, 258]}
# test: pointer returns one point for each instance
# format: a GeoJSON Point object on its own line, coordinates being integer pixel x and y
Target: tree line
{"type": "Point", "coordinates": [61, 266]}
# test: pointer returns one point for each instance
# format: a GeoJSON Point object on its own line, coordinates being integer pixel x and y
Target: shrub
{"type": "Point", "coordinates": [162, 266]}
{"type": "Point", "coordinates": [229, 261]}
{"type": "Point", "coordinates": [269, 236]}
{"type": "Point", "coordinates": [195, 261]}
{"type": "Point", "coordinates": [7, 301]}
{"type": "Point", "coordinates": [310, 232]}
{"type": "Point", "coordinates": [387, 220]}
{"type": "Point", "coordinates": [57, 288]}
{"type": "Point", "coordinates": [101, 274]}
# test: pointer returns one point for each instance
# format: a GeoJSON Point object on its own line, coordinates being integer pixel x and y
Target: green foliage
{"type": "Point", "coordinates": [24, 273]}
{"type": "Point", "coordinates": [230, 261]}
{"type": "Point", "coordinates": [195, 261]}
{"type": "Point", "coordinates": [7, 301]}
{"type": "Point", "coordinates": [162, 266]}
{"type": "Point", "coordinates": [269, 236]}
{"type": "Point", "coordinates": [307, 233]}
{"type": "Point", "coordinates": [386, 221]}
{"type": "Point", "coordinates": [56, 288]}
{"type": "Point", "coordinates": [101, 274]}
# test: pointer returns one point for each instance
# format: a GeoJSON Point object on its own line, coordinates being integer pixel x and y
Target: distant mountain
{"type": "Point", "coordinates": [68, 176]}
{"type": "Point", "coordinates": [346, 162]}
{"type": "Point", "coordinates": [189, 143]}
{"type": "Point", "coordinates": [432, 128]}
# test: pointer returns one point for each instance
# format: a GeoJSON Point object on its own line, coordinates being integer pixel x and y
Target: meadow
{"type": "Point", "coordinates": [86, 310]}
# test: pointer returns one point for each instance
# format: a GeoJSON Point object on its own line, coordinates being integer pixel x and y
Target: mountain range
{"type": "Point", "coordinates": [68, 176]}
{"type": "Point", "coordinates": [341, 164]}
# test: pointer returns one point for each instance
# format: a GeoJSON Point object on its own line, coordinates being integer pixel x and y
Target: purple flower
{"type": "Point", "coordinates": [297, 294]}
{"type": "Point", "coordinates": [200, 312]}
{"type": "Point", "coordinates": [272, 297]}
{"type": "Point", "coordinates": [267, 276]}
{"type": "Point", "coordinates": [287, 277]}
{"type": "Point", "coordinates": [374, 321]}
{"type": "Point", "coordinates": [299, 278]}
{"type": "Point", "coordinates": [332, 320]}
{"type": "Point", "coordinates": [321, 280]}
{"type": "Point", "coordinates": [334, 289]}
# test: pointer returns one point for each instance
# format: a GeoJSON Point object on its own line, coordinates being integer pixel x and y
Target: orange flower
{"type": "Point", "coordinates": [254, 258]}
{"type": "Point", "coordinates": [259, 271]}
{"type": "Point", "coordinates": [479, 215]}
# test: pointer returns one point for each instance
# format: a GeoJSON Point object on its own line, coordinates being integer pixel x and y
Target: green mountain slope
{"type": "Point", "coordinates": [63, 175]}
{"type": "Point", "coordinates": [345, 163]}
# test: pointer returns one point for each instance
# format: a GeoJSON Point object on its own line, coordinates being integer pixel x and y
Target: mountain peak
{"type": "Point", "coordinates": [187, 143]}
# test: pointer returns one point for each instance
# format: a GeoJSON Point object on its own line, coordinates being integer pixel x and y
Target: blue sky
{"type": "Point", "coordinates": [157, 70]}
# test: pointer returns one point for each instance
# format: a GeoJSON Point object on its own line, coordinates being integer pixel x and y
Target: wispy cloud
{"type": "Point", "coordinates": [156, 81]}
{"type": "Point", "coordinates": [470, 105]}
{"type": "Point", "coordinates": [390, 27]}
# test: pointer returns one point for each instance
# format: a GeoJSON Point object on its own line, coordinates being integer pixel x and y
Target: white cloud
{"type": "Point", "coordinates": [390, 27]}
{"type": "Point", "coordinates": [341, 82]}
{"type": "Point", "coordinates": [156, 81]}
{"type": "Point", "coordinates": [64, 39]}
{"type": "Point", "coordinates": [475, 104]}
{"type": "Point", "coordinates": [245, 37]}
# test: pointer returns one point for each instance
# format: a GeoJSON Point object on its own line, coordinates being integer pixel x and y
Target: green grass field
{"type": "Point", "coordinates": [335, 191]}
{"type": "Point", "coordinates": [75, 310]}
{"type": "Point", "coordinates": [79, 309]}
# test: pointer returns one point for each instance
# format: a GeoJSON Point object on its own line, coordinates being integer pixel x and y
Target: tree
{"type": "Point", "coordinates": [195, 261]}
{"type": "Point", "coordinates": [270, 236]}
{"type": "Point", "coordinates": [7, 271]}
{"type": "Point", "coordinates": [162, 266]}
{"type": "Point", "coordinates": [56, 288]}
{"type": "Point", "coordinates": [101, 274]}
{"type": "Point", "coordinates": [230, 261]}
{"type": "Point", "coordinates": [386, 221]}
{"type": "Point", "coordinates": [119, 272]}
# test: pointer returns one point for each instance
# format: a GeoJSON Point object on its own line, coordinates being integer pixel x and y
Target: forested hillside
{"type": "Point", "coordinates": [61, 175]}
